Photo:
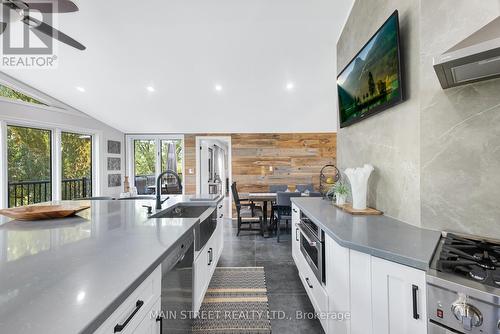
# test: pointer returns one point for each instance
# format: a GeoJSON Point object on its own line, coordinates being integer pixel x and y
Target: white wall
{"type": "Point", "coordinates": [30, 115]}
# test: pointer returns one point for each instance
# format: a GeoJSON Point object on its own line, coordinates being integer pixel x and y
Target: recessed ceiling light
{"type": "Point", "coordinates": [150, 89]}
{"type": "Point", "coordinates": [218, 88]}
{"type": "Point", "coordinates": [80, 296]}
{"type": "Point", "coordinates": [80, 89]}
{"type": "Point", "coordinates": [290, 86]}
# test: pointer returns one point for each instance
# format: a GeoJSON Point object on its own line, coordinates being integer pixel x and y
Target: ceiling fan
{"type": "Point", "coordinates": [19, 11]}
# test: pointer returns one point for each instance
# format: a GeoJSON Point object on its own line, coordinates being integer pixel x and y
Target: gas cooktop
{"type": "Point", "coordinates": [463, 286]}
{"type": "Point", "coordinates": [477, 260]}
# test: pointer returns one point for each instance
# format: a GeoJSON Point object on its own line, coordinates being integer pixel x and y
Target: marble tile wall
{"type": "Point", "coordinates": [460, 128]}
{"type": "Point", "coordinates": [389, 140]}
{"type": "Point", "coordinates": [438, 154]}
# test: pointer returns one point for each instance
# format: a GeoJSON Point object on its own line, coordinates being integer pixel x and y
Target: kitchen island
{"type": "Point", "coordinates": [69, 275]}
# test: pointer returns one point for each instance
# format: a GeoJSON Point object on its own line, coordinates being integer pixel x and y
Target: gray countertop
{"type": "Point", "coordinates": [65, 275]}
{"type": "Point", "coordinates": [380, 236]}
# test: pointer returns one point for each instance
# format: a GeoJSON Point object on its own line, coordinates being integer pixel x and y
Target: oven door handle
{"type": "Point", "coordinates": [308, 239]}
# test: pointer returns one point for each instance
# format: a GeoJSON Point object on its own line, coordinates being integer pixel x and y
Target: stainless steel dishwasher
{"type": "Point", "coordinates": [177, 288]}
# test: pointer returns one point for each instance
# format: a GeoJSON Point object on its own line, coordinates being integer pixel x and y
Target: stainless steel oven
{"type": "Point", "coordinates": [312, 246]}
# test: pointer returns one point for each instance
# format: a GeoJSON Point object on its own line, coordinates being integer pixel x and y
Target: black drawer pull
{"type": "Point", "coordinates": [309, 283]}
{"type": "Point", "coordinates": [297, 234]}
{"type": "Point", "coordinates": [294, 210]}
{"type": "Point", "coordinates": [221, 215]}
{"type": "Point", "coordinates": [220, 206]}
{"type": "Point", "coordinates": [210, 256]}
{"type": "Point", "coordinates": [414, 291]}
{"type": "Point", "coordinates": [118, 327]}
{"type": "Point", "coordinates": [160, 320]}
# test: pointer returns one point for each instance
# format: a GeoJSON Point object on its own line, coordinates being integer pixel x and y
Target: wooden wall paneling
{"type": "Point", "coordinates": [295, 157]}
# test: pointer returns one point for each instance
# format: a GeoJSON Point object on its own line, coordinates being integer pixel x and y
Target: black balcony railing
{"type": "Point", "coordinates": [76, 188]}
{"type": "Point", "coordinates": [30, 192]}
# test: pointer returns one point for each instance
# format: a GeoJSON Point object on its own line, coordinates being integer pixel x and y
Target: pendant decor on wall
{"type": "Point", "coordinates": [114, 164]}
{"type": "Point", "coordinates": [114, 180]}
{"type": "Point", "coordinates": [114, 147]}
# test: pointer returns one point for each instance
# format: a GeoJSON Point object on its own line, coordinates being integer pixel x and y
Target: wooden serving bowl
{"type": "Point", "coordinates": [39, 212]}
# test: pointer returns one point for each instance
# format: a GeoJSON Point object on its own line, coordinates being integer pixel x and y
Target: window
{"type": "Point", "coordinates": [76, 166]}
{"type": "Point", "coordinates": [12, 94]}
{"type": "Point", "coordinates": [28, 165]}
{"type": "Point", "coordinates": [144, 165]}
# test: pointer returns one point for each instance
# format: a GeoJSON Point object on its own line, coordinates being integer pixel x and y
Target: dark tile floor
{"type": "Point", "coordinates": [285, 291]}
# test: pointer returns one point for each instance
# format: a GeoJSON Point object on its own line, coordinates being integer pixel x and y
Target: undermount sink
{"type": "Point", "coordinates": [181, 211]}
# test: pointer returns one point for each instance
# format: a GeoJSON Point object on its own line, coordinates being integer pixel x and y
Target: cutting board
{"type": "Point", "coordinates": [366, 212]}
{"type": "Point", "coordinates": [39, 212]}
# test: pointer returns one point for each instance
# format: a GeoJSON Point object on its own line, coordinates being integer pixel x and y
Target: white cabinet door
{"type": "Point", "coordinates": [220, 230]}
{"type": "Point", "coordinates": [295, 232]}
{"type": "Point", "coordinates": [337, 286]}
{"type": "Point", "coordinates": [200, 279]}
{"type": "Point", "coordinates": [360, 293]}
{"type": "Point", "coordinates": [395, 289]}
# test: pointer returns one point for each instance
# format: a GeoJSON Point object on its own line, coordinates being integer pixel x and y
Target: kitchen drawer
{"type": "Point", "coordinates": [141, 301]}
{"type": "Point", "coordinates": [149, 324]}
{"type": "Point", "coordinates": [315, 290]}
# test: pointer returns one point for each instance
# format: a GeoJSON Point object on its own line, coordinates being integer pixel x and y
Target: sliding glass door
{"type": "Point", "coordinates": [145, 165]}
{"type": "Point", "coordinates": [151, 155]}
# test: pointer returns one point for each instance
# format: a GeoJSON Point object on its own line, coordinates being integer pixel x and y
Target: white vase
{"type": "Point", "coordinates": [358, 177]}
{"type": "Point", "coordinates": [340, 199]}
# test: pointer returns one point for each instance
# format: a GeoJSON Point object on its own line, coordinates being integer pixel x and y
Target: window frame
{"type": "Point", "coordinates": [92, 165]}
{"type": "Point", "coordinates": [130, 154]}
{"type": "Point", "coordinates": [56, 155]}
{"type": "Point", "coordinates": [51, 167]}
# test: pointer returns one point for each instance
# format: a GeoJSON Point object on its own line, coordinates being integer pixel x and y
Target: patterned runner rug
{"type": "Point", "coordinates": [235, 302]}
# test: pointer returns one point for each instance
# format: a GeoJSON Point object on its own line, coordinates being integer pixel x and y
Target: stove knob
{"type": "Point", "coordinates": [467, 314]}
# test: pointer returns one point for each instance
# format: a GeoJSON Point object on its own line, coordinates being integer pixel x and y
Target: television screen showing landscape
{"type": "Point", "coordinates": [371, 82]}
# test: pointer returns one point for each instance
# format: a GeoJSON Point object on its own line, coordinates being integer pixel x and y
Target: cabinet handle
{"type": "Point", "coordinates": [221, 215]}
{"type": "Point", "coordinates": [118, 328]}
{"type": "Point", "coordinates": [297, 234]}
{"type": "Point", "coordinates": [160, 320]}
{"type": "Point", "coordinates": [414, 291]}
{"type": "Point", "coordinates": [294, 210]}
{"type": "Point", "coordinates": [309, 283]}
{"type": "Point", "coordinates": [220, 206]}
{"type": "Point", "coordinates": [210, 256]}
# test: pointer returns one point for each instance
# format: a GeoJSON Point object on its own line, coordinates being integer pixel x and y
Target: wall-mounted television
{"type": "Point", "coordinates": [372, 81]}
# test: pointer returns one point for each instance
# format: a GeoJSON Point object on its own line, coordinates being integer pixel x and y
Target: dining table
{"type": "Point", "coordinates": [264, 198]}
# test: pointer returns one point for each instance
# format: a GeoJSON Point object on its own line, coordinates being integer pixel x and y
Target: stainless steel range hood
{"type": "Point", "coordinates": [474, 59]}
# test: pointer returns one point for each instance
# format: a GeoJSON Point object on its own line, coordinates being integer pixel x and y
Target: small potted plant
{"type": "Point", "coordinates": [341, 191]}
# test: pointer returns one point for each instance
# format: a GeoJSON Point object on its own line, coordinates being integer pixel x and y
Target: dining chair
{"type": "Point", "coordinates": [248, 213]}
{"type": "Point", "coordinates": [274, 188]}
{"type": "Point", "coordinates": [283, 209]}
{"type": "Point", "coordinates": [303, 187]}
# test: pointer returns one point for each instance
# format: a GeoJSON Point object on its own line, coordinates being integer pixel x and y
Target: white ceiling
{"type": "Point", "coordinates": [252, 49]}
